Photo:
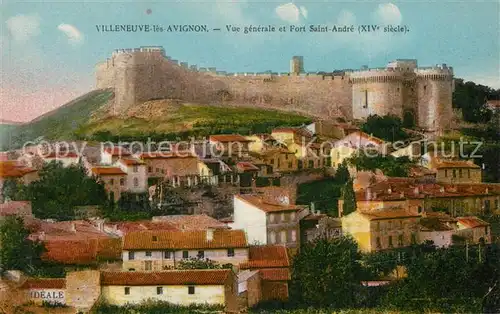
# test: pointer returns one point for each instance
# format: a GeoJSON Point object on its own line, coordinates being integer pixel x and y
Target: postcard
{"type": "Point", "coordinates": [246, 156]}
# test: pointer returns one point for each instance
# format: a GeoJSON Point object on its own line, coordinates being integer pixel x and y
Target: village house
{"type": "Point", "coordinates": [459, 171]}
{"type": "Point", "coordinates": [347, 146]}
{"type": "Point", "coordinates": [317, 225]}
{"type": "Point", "coordinates": [75, 242]}
{"type": "Point", "coordinates": [181, 287]}
{"type": "Point", "coordinates": [273, 271]}
{"type": "Point", "coordinates": [493, 105]}
{"type": "Point", "coordinates": [137, 179]}
{"type": "Point", "coordinates": [474, 230]}
{"type": "Point", "coordinates": [277, 160]}
{"type": "Point", "coordinates": [230, 145]}
{"type": "Point", "coordinates": [190, 222]}
{"type": "Point", "coordinates": [438, 228]}
{"type": "Point", "coordinates": [113, 178]}
{"type": "Point", "coordinates": [268, 220]}
{"type": "Point", "coordinates": [110, 155]}
{"type": "Point", "coordinates": [456, 199]}
{"type": "Point", "coordinates": [382, 229]}
{"type": "Point", "coordinates": [179, 168]}
{"type": "Point", "coordinates": [157, 250]}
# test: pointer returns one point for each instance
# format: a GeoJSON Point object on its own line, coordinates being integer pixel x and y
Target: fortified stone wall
{"type": "Point", "coordinates": [401, 88]}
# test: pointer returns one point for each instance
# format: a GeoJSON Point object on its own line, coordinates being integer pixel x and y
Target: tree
{"type": "Point", "coordinates": [60, 189]}
{"type": "Point", "coordinates": [349, 197]}
{"type": "Point", "coordinates": [326, 273]}
{"type": "Point", "coordinates": [471, 98]}
{"type": "Point", "coordinates": [389, 128]}
{"type": "Point", "coordinates": [10, 189]}
{"type": "Point", "coordinates": [391, 166]}
{"type": "Point", "coordinates": [16, 250]}
{"type": "Point", "coordinates": [342, 174]}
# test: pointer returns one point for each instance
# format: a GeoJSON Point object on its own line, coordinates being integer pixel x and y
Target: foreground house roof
{"type": "Point", "coordinates": [12, 169]}
{"type": "Point", "coordinates": [266, 256]}
{"type": "Point", "coordinates": [472, 222]}
{"type": "Point", "coordinates": [194, 239]}
{"type": "Point", "coordinates": [108, 171]}
{"type": "Point", "coordinates": [267, 206]}
{"type": "Point", "coordinates": [388, 214]}
{"type": "Point", "coordinates": [173, 277]}
{"type": "Point", "coordinates": [190, 222]}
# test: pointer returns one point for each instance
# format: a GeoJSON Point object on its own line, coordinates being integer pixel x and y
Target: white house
{"type": "Point", "coordinates": [346, 147]}
{"type": "Point", "coordinates": [137, 177]}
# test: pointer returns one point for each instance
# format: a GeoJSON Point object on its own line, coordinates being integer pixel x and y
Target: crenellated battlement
{"type": "Point", "coordinates": [400, 88]}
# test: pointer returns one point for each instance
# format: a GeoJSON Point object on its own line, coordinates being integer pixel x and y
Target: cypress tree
{"type": "Point", "coordinates": [349, 197]}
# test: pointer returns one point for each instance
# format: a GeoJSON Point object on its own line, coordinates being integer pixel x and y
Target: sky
{"type": "Point", "coordinates": [49, 49]}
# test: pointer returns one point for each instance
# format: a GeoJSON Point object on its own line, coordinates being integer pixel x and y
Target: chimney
{"type": "Point", "coordinates": [389, 190]}
{"type": "Point", "coordinates": [487, 191]}
{"type": "Point", "coordinates": [72, 227]}
{"type": "Point", "coordinates": [313, 210]}
{"type": "Point", "coordinates": [41, 236]}
{"type": "Point", "coordinates": [441, 189]}
{"type": "Point", "coordinates": [416, 191]}
{"type": "Point", "coordinates": [210, 234]}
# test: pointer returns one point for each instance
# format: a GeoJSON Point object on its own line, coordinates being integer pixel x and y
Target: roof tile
{"type": "Point", "coordinates": [173, 277]}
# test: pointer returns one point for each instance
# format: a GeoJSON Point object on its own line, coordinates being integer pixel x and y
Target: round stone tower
{"type": "Point", "coordinates": [377, 92]}
{"type": "Point", "coordinates": [434, 96]}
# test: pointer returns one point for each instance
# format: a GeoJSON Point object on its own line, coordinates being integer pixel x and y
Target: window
{"type": "Point", "coordinates": [135, 168]}
{"type": "Point", "coordinates": [311, 163]}
{"type": "Point", "coordinates": [272, 237]}
{"type": "Point", "coordinates": [286, 156]}
{"type": "Point", "coordinates": [379, 245]}
{"type": "Point", "coordinates": [413, 238]}
{"type": "Point", "coordinates": [390, 241]}
{"type": "Point", "coordinates": [112, 181]}
{"type": "Point", "coordinates": [131, 255]}
{"type": "Point", "coordinates": [419, 209]}
{"type": "Point", "coordinates": [454, 173]}
{"type": "Point", "coordinates": [271, 217]}
{"type": "Point", "coordinates": [283, 217]}
{"type": "Point", "coordinates": [167, 255]}
{"type": "Point", "coordinates": [290, 164]}
{"type": "Point", "coordinates": [294, 236]}
{"type": "Point", "coordinates": [201, 254]}
{"type": "Point", "coordinates": [157, 169]}
{"type": "Point", "coordinates": [377, 226]}
{"type": "Point", "coordinates": [159, 290]}
{"type": "Point", "coordinates": [136, 182]}
{"type": "Point", "coordinates": [131, 269]}
{"type": "Point", "coordinates": [230, 252]}
{"type": "Point", "coordinates": [272, 162]}
{"type": "Point", "coordinates": [148, 265]}
{"type": "Point", "coordinates": [148, 253]}
{"type": "Point", "coordinates": [468, 173]}
{"type": "Point", "coordinates": [496, 204]}
{"type": "Point", "coordinates": [185, 254]}
{"type": "Point", "coordinates": [425, 87]}
{"type": "Point", "coordinates": [365, 105]}
{"type": "Point", "coordinates": [446, 173]}
{"type": "Point", "coordinates": [191, 289]}
{"type": "Point", "coordinates": [278, 162]}
{"type": "Point", "coordinates": [127, 290]}
{"type": "Point", "coordinates": [460, 174]}
{"type": "Point", "coordinates": [389, 225]}
{"type": "Point", "coordinates": [155, 238]}
{"type": "Point", "coordinates": [400, 240]}
{"type": "Point", "coordinates": [150, 169]}
{"type": "Point", "coordinates": [292, 216]}
{"type": "Point", "coordinates": [283, 236]}
{"type": "Point", "coordinates": [122, 182]}
{"type": "Point", "coordinates": [486, 230]}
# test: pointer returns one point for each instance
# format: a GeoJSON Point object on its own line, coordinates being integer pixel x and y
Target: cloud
{"type": "Point", "coordinates": [23, 27]}
{"type": "Point", "coordinates": [75, 37]}
{"type": "Point", "coordinates": [290, 12]}
{"type": "Point", "coordinates": [388, 13]}
{"type": "Point", "coordinates": [346, 18]}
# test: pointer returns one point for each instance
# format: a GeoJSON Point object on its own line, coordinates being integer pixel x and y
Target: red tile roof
{"type": "Point", "coordinates": [195, 239]}
{"type": "Point", "coordinates": [190, 222]}
{"type": "Point", "coordinates": [129, 226]}
{"type": "Point", "coordinates": [493, 103]}
{"type": "Point", "coordinates": [223, 138]}
{"type": "Point", "coordinates": [117, 151]}
{"type": "Point", "coordinates": [246, 166]}
{"type": "Point", "coordinates": [389, 214]}
{"type": "Point", "coordinates": [131, 162]}
{"type": "Point", "coordinates": [275, 274]}
{"type": "Point", "coordinates": [266, 206]}
{"type": "Point", "coordinates": [108, 171]}
{"type": "Point", "coordinates": [82, 251]}
{"type": "Point", "coordinates": [167, 155]}
{"type": "Point", "coordinates": [267, 256]}
{"type": "Point", "coordinates": [472, 222]}
{"type": "Point", "coordinates": [171, 277]}
{"type": "Point", "coordinates": [45, 283]}
{"type": "Point", "coordinates": [12, 169]}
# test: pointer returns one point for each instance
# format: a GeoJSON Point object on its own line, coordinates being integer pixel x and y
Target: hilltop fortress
{"type": "Point", "coordinates": [420, 94]}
